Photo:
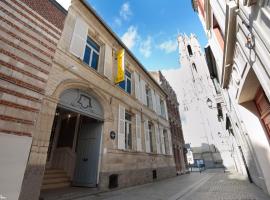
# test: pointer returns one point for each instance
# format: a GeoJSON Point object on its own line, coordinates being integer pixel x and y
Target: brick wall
{"type": "Point", "coordinates": [29, 32]}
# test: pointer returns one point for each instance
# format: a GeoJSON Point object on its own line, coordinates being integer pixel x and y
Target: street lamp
{"type": "Point", "coordinates": [209, 103]}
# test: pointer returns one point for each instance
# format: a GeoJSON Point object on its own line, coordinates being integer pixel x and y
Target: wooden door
{"type": "Point", "coordinates": [263, 106]}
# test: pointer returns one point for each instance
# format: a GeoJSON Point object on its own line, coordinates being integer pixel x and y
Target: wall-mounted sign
{"type": "Point", "coordinates": [112, 135]}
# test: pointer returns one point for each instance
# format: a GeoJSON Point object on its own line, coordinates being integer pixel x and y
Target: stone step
{"type": "Point", "coordinates": [55, 180]}
{"type": "Point", "coordinates": [54, 171]}
{"type": "Point", "coordinates": [55, 185]}
{"type": "Point", "coordinates": [55, 175]}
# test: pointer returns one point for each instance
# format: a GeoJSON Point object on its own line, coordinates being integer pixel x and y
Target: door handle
{"type": "Point", "coordinates": [85, 159]}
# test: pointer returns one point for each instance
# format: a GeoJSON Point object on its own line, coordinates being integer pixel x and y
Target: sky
{"type": "Point", "coordinates": [149, 28]}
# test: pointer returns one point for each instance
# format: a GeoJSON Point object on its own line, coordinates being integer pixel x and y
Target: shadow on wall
{"type": "Point", "coordinates": [209, 154]}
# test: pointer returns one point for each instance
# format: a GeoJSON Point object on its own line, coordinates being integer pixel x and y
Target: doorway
{"type": "Point", "coordinates": [74, 149]}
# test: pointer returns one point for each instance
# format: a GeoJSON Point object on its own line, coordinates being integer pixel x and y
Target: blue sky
{"type": "Point", "coordinates": [150, 27]}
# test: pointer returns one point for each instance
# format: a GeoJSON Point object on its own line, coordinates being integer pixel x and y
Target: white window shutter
{"type": "Point", "coordinates": [157, 138]}
{"type": "Point", "coordinates": [158, 104]}
{"type": "Point", "coordinates": [143, 92]}
{"type": "Point", "coordinates": [169, 141]}
{"type": "Point", "coordinates": [108, 62]}
{"type": "Point", "coordinates": [121, 128]}
{"type": "Point", "coordinates": [79, 37]}
{"type": "Point", "coordinates": [166, 110]}
{"type": "Point", "coordinates": [147, 138]}
{"type": "Point", "coordinates": [137, 86]}
{"type": "Point", "coordinates": [138, 132]}
{"type": "Point", "coordinates": [162, 140]}
{"type": "Point", "coordinates": [153, 94]}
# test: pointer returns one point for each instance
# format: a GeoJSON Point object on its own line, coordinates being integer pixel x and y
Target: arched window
{"type": "Point", "coordinates": [189, 50]}
{"type": "Point", "coordinates": [194, 67]}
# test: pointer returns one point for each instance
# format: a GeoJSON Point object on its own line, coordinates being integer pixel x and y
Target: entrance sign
{"type": "Point", "coordinates": [81, 102]}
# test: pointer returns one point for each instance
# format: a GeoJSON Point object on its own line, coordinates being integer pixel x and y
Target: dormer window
{"type": "Point", "coordinates": [91, 53]}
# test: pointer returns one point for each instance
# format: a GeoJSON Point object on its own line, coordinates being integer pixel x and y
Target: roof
{"type": "Point", "coordinates": [121, 43]}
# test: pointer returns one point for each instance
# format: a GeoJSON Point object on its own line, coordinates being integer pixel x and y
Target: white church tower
{"type": "Point", "coordinates": [202, 115]}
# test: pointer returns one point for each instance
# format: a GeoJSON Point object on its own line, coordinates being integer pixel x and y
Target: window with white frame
{"type": "Point", "coordinates": [128, 134]}
{"type": "Point", "coordinates": [166, 141]}
{"type": "Point", "coordinates": [151, 135]}
{"type": "Point", "coordinates": [162, 108]}
{"type": "Point", "coordinates": [148, 97]}
{"type": "Point", "coordinates": [126, 84]}
{"type": "Point", "coordinates": [91, 53]}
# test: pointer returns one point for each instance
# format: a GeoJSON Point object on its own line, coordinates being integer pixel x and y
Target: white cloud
{"type": "Point", "coordinates": [168, 46]}
{"type": "Point", "coordinates": [125, 11]}
{"type": "Point", "coordinates": [64, 3]}
{"type": "Point", "coordinates": [130, 37]}
{"type": "Point", "coordinates": [146, 47]}
{"type": "Point", "coordinates": [117, 21]}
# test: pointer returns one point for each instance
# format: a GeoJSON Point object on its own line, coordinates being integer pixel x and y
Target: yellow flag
{"type": "Point", "coordinates": [120, 66]}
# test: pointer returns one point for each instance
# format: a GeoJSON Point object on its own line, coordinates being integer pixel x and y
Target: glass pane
{"type": "Point", "coordinates": [122, 84]}
{"type": "Point", "coordinates": [93, 44]}
{"type": "Point", "coordinates": [128, 86]}
{"type": "Point", "coordinates": [94, 63]}
{"type": "Point", "coordinates": [128, 117]}
{"type": "Point", "coordinates": [87, 54]}
{"type": "Point", "coordinates": [128, 74]}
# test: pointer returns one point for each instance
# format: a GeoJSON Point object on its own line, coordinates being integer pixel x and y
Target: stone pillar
{"type": "Point", "coordinates": [33, 175]}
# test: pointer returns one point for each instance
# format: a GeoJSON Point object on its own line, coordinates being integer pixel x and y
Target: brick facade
{"type": "Point", "coordinates": [29, 33]}
{"type": "Point", "coordinates": [178, 141]}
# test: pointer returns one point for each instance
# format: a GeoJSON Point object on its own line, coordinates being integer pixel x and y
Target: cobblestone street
{"type": "Point", "coordinates": [211, 184]}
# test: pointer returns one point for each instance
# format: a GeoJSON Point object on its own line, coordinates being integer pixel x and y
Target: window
{"type": "Point", "coordinates": [220, 113]}
{"type": "Point", "coordinates": [151, 133]}
{"type": "Point", "coordinates": [166, 141]}
{"type": "Point", "coordinates": [126, 84]}
{"type": "Point", "coordinates": [189, 50]}
{"type": "Point", "coordinates": [91, 53]}
{"type": "Point", "coordinates": [148, 97]}
{"type": "Point", "coordinates": [218, 33]}
{"type": "Point", "coordinates": [162, 108]}
{"type": "Point", "coordinates": [128, 136]}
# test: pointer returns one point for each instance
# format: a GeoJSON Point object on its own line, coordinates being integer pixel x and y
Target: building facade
{"type": "Point", "coordinates": [238, 56]}
{"type": "Point", "coordinates": [29, 33]}
{"type": "Point", "coordinates": [178, 142]}
{"type": "Point", "coordinates": [69, 124]}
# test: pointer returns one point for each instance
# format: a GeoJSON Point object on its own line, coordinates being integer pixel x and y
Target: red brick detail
{"type": "Point", "coordinates": [28, 18]}
{"type": "Point", "coordinates": [16, 120]}
{"type": "Point", "coordinates": [26, 42]}
{"type": "Point", "coordinates": [50, 12]}
{"type": "Point", "coordinates": [32, 14]}
{"type": "Point", "coordinates": [18, 106]}
{"type": "Point", "coordinates": [27, 34]}
{"type": "Point", "coordinates": [18, 94]}
{"type": "Point", "coordinates": [27, 25]}
{"type": "Point", "coordinates": [18, 133]}
{"type": "Point", "coordinates": [25, 51]}
{"type": "Point", "coordinates": [21, 83]}
{"type": "Point", "coordinates": [23, 61]}
{"type": "Point", "coordinates": [7, 65]}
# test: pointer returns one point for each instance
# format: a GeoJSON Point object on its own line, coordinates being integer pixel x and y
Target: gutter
{"type": "Point", "coordinates": [121, 43]}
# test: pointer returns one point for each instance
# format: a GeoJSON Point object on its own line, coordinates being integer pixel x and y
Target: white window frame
{"type": "Point", "coordinates": [128, 131]}
{"type": "Point", "coordinates": [91, 54]}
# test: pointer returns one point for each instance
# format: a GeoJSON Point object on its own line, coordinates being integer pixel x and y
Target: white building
{"type": "Point", "coordinates": [202, 125]}
{"type": "Point", "coordinates": [238, 56]}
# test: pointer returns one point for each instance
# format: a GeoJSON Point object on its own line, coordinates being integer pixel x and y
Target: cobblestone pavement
{"type": "Point", "coordinates": [209, 185]}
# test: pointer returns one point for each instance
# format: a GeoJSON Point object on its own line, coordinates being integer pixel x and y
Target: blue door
{"type": "Point", "coordinates": [88, 148]}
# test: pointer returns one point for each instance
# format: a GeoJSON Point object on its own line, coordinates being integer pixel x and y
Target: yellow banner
{"type": "Point", "coordinates": [120, 66]}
